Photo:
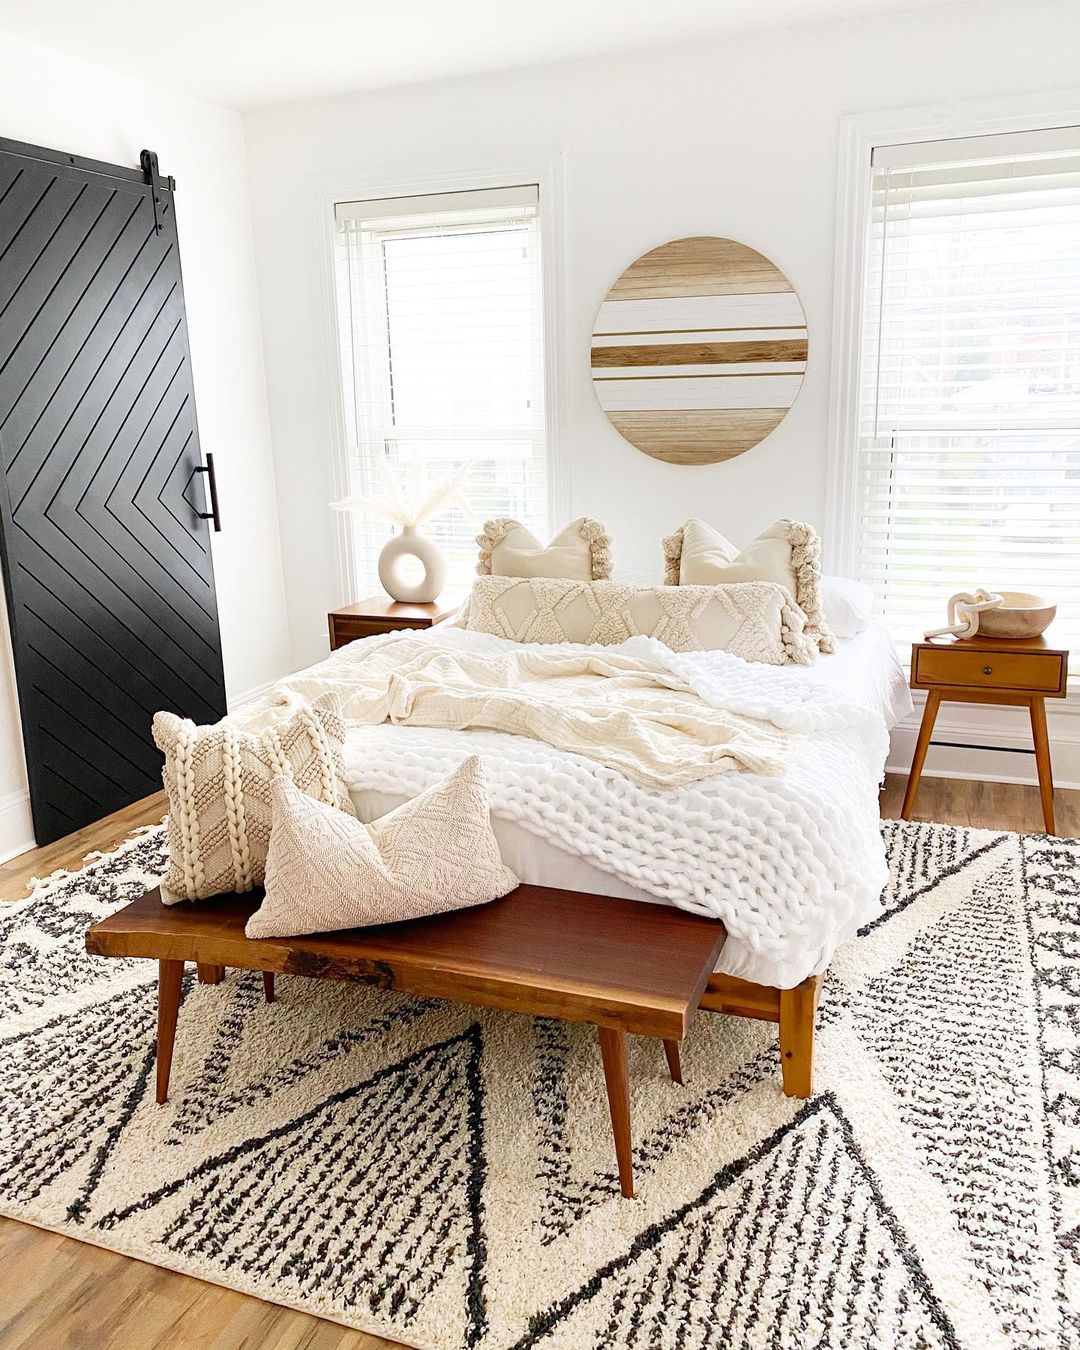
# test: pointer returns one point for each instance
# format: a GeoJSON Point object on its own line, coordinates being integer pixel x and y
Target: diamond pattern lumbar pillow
{"type": "Point", "coordinates": [756, 620]}
{"type": "Point", "coordinates": [218, 782]}
{"type": "Point", "coordinates": [327, 871]}
{"type": "Point", "coordinates": [788, 554]}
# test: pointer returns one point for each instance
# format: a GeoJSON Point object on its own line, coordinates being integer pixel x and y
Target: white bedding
{"type": "Point", "coordinates": [554, 821]}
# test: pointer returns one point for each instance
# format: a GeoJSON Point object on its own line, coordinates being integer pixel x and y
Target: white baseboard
{"type": "Point", "coordinates": [16, 825]}
{"type": "Point", "coordinates": [984, 724]}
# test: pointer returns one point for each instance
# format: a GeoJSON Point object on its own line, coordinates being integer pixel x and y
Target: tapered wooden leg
{"type": "Point", "coordinates": [1037, 708]}
{"type": "Point", "coordinates": [170, 973]}
{"type": "Point", "coordinates": [918, 759]}
{"type": "Point", "coordinates": [617, 1077]}
{"type": "Point", "coordinates": [797, 1009]}
{"type": "Point", "coordinates": [674, 1062]}
{"type": "Point", "coordinates": [268, 986]}
{"type": "Point", "coordinates": [210, 974]}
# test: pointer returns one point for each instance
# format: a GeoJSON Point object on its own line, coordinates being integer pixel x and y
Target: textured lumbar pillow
{"type": "Point", "coordinates": [326, 870]}
{"type": "Point", "coordinates": [788, 553]}
{"type": "Point", "coordinates": [218, 780]}
{"type": "Point", "coordinates": [757, 620]}
{"type": "Point", "coordinates": [582, 551]}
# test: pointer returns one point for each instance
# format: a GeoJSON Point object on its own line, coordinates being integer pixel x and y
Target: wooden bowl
{"type": "Point", "coordinates": [1023, 615]}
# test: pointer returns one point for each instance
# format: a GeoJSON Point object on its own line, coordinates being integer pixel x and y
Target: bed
{"type": "Point", "coordinates": [727, 846]}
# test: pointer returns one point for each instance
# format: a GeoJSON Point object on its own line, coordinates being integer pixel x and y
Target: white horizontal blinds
{"type": "Point", "coordinates": [969, 455]}
{"type": "Point", "coordinates": [440, 307]}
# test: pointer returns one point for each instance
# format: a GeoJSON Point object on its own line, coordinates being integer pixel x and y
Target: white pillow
{"type": "Point", "coordinates": [756, 620]}
{"type": "Point", "coordinates": [847, 605]}
{"type": "Point", "coordinates": [581, 551]}
{"type": "Point", "coordinates": [787, 553]}
{"type": "Point", "coordinates": [326, 871]}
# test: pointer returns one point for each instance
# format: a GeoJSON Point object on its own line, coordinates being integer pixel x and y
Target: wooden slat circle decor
{"type": "Point", "coordinates": [699, 350]}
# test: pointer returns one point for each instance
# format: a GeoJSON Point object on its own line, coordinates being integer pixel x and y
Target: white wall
{"type": "Point", "coordinates": [737, 138]}
{"type": "Point", "coordinates": [51, 100]}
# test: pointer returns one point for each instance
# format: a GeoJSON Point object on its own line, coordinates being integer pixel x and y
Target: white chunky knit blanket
{"type": "Point", "coordinates": [793, 864]}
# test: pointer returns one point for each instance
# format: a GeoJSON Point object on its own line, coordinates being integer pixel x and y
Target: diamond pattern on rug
{"type": "Point", "coordinates": [921, 855]}
{"type": "Point", "coordinates": [790, 1246]}
{"type": "Point", "coordinates": [964, 1073]}
{"type": "Point", "coordinates": [71, 1085]}
{"type": "Point", "coordinates": [314, 1207]}
{"type": "Point", "coordinates": [568, 1195]}
{"type": "Point", "coordinates": [213, 1093]}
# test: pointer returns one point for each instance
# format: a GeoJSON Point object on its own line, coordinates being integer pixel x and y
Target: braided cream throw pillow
{"type": "Point", "coordinates": [218, 782]}
{"type": "Point", "coordinates": [327, 871]}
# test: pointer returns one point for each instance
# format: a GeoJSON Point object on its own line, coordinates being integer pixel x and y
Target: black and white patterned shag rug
{"type": "Point", "coordinates": [445, 1177]}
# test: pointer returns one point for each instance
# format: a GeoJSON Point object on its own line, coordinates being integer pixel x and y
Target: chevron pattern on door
{"type": "Point", "coordinates": [107, 564]}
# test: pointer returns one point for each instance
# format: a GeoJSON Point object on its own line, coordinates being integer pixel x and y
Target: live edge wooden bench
{"type": "Point", "coordinates": [625, 966]}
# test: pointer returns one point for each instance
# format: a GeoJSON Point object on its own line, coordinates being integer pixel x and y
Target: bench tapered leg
{"type": "Point", "coordinates": [170, 974]}
{"type": "Point", "coordinates": [210, 974]}
{"type": "Point", "coordinates": [617, 1077]}
{"type": "Point", "coordinates": [268, 986]}
{"type": "Point", "coordinates": [674, 1060]}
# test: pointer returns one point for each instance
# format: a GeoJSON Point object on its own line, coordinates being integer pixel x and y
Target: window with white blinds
{"type": "Point", "coordinates": [969, 428]}
{"type": "Point", "coordinates": [442, 350]}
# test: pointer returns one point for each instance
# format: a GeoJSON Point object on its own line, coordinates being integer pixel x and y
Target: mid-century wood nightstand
{"type": "Point", "coordinates": [380, 614]}
{"type": "Point", "coordinates": [1021, 672]}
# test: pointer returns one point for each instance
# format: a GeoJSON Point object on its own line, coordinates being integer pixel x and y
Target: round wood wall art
{"type": "Point", "coordinates": [699, 350]}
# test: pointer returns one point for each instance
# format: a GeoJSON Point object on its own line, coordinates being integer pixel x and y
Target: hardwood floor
{"type": "Point", "coordinates": [66, 1295]}
{"type": "Point", "coordinates": [69, 853]}
{"type": "Point", "coordinates": [984, 806]}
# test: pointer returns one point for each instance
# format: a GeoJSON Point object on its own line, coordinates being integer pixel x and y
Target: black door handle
{"type": "Point", "coordinates": [214, 513]}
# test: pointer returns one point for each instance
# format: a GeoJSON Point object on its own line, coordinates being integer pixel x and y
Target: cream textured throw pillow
{"type": "Point", "coordinates": [327, 871]}
{"type": "Point", "coordinates": [581, 551]}
{"type": "Point", "coordinates": [218, 781]}
{"type": "Point", "coordinates": [755, 620]}
{"type": "Point", "coordinates": [788, 553]}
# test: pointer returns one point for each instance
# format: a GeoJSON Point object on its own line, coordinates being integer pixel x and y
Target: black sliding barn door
{"type": "Point", "coordinates": [106, 554]}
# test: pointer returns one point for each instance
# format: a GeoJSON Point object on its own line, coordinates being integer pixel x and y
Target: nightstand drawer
{"type": "Point", "coordinates": [1039, 672]}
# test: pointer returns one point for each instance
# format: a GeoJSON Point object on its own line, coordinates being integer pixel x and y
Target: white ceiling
{"type": "Point", "coordinates": [248, 53]}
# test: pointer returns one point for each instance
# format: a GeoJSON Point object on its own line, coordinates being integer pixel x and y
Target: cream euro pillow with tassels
{"type": "Point", "coordinates": [326, 871]}
{"type": "Point", "coordinates": [788, 553]}
{"type": "Point", "coordinates": [755, 620]}
{"type": "Point", "coordinates": [219, 782]}
{"type": "Point", "coordinates": [581, 551]}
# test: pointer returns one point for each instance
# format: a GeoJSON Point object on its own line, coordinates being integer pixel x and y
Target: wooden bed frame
{"type": "Point", "coordinates": [795, 1011]}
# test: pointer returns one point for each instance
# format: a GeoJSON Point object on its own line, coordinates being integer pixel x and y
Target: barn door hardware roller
{"type": "Point", "coordinates": [148, 160]}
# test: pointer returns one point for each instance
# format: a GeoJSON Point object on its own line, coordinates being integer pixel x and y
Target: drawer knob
{"type": "Point", "coordinates": [988, 670]}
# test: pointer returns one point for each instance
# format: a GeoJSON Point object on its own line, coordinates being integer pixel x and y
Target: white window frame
{"type": "Point", "coordinates": [859, 134]}
{"type": "Point", "coordinates": [543, 169]}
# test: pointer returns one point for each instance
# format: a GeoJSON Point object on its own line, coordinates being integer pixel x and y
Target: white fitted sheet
{"type": "Point", "coordinates": [865, 669]}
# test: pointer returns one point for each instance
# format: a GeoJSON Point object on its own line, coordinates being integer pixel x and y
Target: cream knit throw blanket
{"type": "Point", "coordinates": [624, 707]}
